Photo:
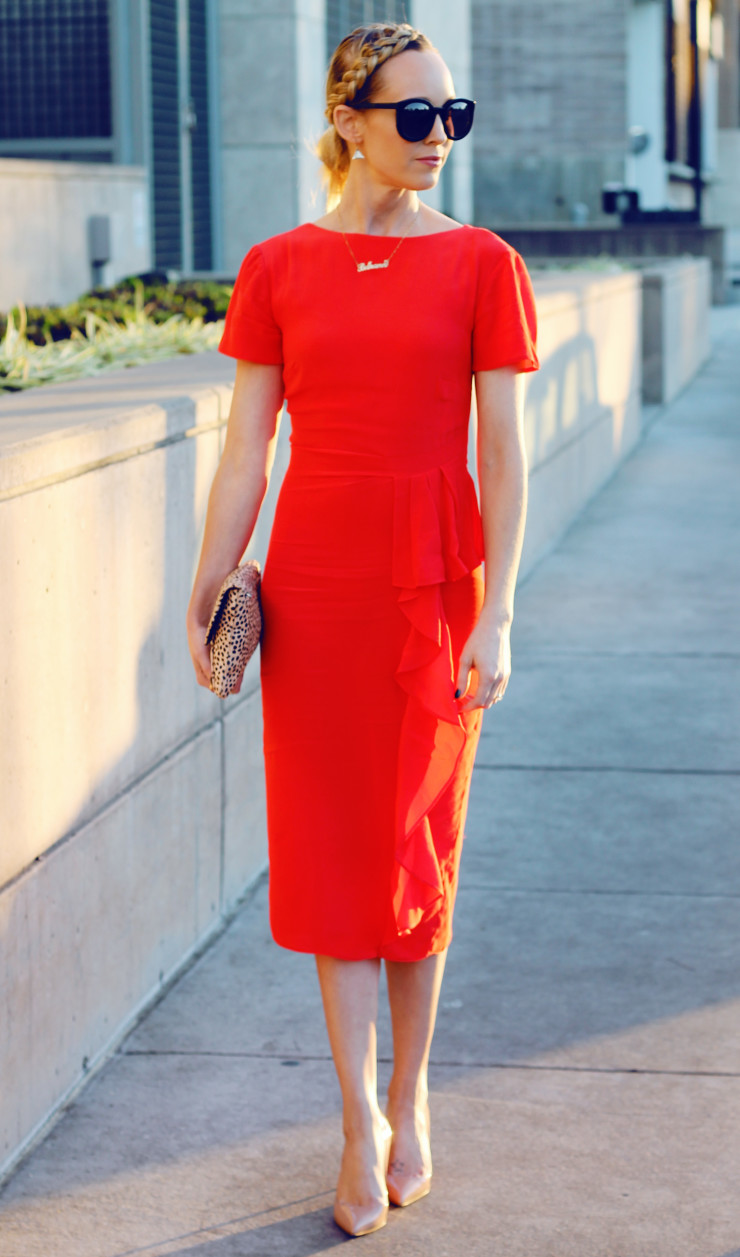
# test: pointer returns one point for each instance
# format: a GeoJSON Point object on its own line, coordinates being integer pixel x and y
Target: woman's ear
{"type": "Point", "coordinates": [348, 124]}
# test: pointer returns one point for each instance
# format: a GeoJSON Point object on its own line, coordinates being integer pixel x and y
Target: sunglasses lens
{"type": "Point", "coordinates": [459, 119]}
{"type": "Point", "coordinates": [414, 120]}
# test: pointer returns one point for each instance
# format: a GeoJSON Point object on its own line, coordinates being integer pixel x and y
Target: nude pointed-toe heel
{"type": "Point", "coordinates": [405, 1189]}
{"type": "Point", "coordinates": [360, 1220]}
{"type": "Point", "coordinates": [363, 1219]}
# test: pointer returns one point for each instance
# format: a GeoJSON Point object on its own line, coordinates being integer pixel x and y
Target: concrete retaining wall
{"type": "Point", "coordinates": [132, 800]}
{"type": "Point", "coordinates": [722, 199]}
{"type": "Point", "coordinates": [675, 329]}
{"type": "Point", "coordinates": [583, 406]}
{"type": "Point", "coordinates": [630, 242]}
{"type": "Point", "coordinates": [44, 209]}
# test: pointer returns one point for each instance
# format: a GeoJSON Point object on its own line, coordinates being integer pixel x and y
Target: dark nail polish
{"type": "Point", "coordinates": [458, 693]}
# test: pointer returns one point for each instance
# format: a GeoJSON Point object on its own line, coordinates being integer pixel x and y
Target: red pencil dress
{"type": "Point", "coordinates": [373, 579]}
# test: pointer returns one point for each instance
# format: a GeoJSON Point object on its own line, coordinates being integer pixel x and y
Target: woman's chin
{"type": "Point", "coordinates": [422, 180]}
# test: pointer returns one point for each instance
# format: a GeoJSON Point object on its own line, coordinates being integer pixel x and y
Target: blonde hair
{"type": "Point", "coordinates": [351, 68]}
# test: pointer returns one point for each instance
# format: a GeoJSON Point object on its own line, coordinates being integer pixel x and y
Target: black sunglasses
{"type": "Point", "coordinates": [415, 117]}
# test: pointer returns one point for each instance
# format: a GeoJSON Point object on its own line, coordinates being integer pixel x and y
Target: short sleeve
{"type": "Point", "coordinates": [505, 327]}
{"type": "Point", "coordinates": [251, 331]}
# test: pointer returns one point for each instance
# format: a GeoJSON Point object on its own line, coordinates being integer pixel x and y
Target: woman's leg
{"type": "Point", "coordinates": [413, 993]}
{"type": "Point", "coordinates": [349, 990]}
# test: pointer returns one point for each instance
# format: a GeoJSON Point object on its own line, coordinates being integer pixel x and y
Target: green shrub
{"type": "Point", "coordinates": [103, 343]}
{"type": "Point", "coordinates": [192, 299]}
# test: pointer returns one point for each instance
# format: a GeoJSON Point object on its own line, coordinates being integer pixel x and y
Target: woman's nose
{"type": "Point", "coordinates": [437, 135]}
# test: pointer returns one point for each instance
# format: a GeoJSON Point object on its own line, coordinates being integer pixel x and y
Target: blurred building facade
{"type": "Point", "coordinates": [578, 94]}
{"type": "Point", "coordinates": [217, 103]}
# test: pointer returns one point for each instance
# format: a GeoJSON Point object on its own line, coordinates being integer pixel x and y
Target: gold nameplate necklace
{"type": "Point", "coordinates": [376, 266]}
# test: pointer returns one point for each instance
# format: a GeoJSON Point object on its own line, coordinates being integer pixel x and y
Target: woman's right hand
{"type": "Point", "coordinates": [199, 652]}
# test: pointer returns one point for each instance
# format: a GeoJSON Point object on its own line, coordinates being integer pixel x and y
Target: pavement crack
{"type": "Point", "coordinates": [530, 654]}
{"type": "Point", "coordinates": [586, 1069]}
{"type": "Point", "coordinates": [440, 1064]}
{"type": "Point", "coordinates": [606, 768]}
{"type": "Point", "coordinates": [497, 888]}
{"type": "Point", "coordinates": [193, 1052]}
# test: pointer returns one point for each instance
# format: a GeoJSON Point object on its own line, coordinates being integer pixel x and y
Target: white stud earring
{"type": "Point", "coordinates": [358, 155]}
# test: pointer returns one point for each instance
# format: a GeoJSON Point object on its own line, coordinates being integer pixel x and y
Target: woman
{"type": "Point", "coordinates": [381, 645]}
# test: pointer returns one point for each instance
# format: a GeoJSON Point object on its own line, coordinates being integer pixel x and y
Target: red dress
{"type": "Point", "coordinates": [373, 580]}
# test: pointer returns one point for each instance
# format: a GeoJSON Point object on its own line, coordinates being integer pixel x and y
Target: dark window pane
{"type": "Point", "coordinates": [165, 134]}
{"type": "Point", "coordinates": [200, 147]}
{"type": "Point", "coordinates": [55, 79]}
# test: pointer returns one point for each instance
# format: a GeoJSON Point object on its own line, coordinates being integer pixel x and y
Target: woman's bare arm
{"type": "Point", "coordinates": [238, 490]}
{"type": "Point", "coordinates": [502, 477]}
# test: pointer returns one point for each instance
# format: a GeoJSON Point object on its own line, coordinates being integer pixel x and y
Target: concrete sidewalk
{"type": "Point", "coordinates": [586, 1078]}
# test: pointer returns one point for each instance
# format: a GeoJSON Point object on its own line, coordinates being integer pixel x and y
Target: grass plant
{"type": "Point", "coordinates": [195, 298]}
{"type": "Point", "coordinates": [133, 337]}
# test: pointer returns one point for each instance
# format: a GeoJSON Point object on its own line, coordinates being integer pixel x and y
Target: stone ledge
{"type": "Point", "coordinates": [30, 168]}
{"type": "Point", "coordinates": [62, 430]}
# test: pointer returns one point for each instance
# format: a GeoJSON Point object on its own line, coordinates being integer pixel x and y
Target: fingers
{"type": "Point", "coordinates": [201, 657]}
{"type": "Point", "coordinates": [204, 663]}
{"type": "Point", "coordinates": [486, 688]}
{"type": "Point", "coordinates": [202, 677]}
{"type": "Point", "coordinates": [486, 693]}
{"type": "Point", "coordinates": [463, 677]}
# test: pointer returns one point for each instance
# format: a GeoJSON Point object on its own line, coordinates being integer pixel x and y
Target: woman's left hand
{"type": "Point", "coordinates": [487, 652]}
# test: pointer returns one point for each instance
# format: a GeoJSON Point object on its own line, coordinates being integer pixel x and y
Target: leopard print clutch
{"type": "Point", "coordinates": [235, 627]}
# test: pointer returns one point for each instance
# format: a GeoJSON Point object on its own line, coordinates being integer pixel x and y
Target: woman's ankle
{"type": "Point", "coordinates": [407, 1100]}
{"type": "Point", "coordinates": [362, 1121]}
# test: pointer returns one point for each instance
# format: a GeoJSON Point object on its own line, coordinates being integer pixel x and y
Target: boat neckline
{"type": "Point", "coordinates": [370, 235]}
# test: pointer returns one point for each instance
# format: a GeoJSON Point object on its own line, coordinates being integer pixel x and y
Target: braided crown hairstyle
{"type": "Point", "coordinates": [350, 78]}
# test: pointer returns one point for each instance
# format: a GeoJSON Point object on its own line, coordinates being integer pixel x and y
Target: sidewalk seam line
{"type": "Point", "coordinates": [529, 653]}
{"type": "Point", "coordinates": [388, 1060]}
{"type": "Point", "coordinates": [595, 890]}
{"type": "Point", "coordinates": [609, 768]}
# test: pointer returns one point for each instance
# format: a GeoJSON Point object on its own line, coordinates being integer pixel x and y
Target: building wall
{"type": "Point", "coordinates": [44, 210]}
{"type": "Point", "coordinates": [311, 61]}
{"type": "Point", "coordinates": [272, 74]}
{"type": "Point", "coordinates": [722, 200]}
{"type": "Point", "coordinates": [271, 59]}
{"type": "Point", "coordinates": [452, 36]}
{"type": "Point", "coordinates": [729, 70]}
{"type": "Point", "coordinates": [646, 171]}
{"type": "Point", "coordinates": [723, 197]}
{"type": "Point", "coordinates": [550, 78]}
{"type": "Point", "coordinates": [558, 82]}
{"type": "Point", "coordinates": [722, 204]}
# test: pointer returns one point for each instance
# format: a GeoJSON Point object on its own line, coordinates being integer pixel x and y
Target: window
{"type": "Point", "coordinates": [200, 154]}
{"type": "Point", "coordinates": [55, 79]}
{"type": "Point", "coordinates": [166, 170]}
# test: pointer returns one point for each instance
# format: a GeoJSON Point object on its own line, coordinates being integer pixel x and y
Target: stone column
{"type": "Point", "coordinates": [259, 91]}
{"type": "Point", "coordinates": [449, 29]}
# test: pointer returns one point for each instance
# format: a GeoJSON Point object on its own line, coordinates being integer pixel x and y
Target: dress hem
{"type": "Point", "coordinates": [379, 954]}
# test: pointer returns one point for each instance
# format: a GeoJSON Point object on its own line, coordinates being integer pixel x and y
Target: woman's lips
{"type": "Point", "coordinates": [431, 161]}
